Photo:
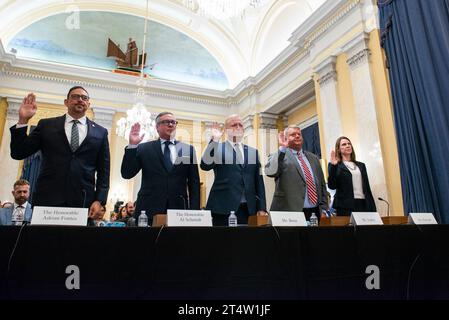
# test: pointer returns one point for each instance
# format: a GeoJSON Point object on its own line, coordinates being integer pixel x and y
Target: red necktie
{"type": "Point", "coordinates": [311, 190]}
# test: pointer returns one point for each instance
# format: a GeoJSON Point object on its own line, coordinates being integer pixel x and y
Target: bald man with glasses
{"type": "Point", "coordinates": [238, 185]}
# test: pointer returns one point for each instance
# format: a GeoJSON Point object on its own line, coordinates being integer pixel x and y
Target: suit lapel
{"type": "Point", "coordinates": [245, 155]}
{"type": "Point", "coordinates": [295, 162]}
{"type": "Point", "coordinates": [91, 127]}
{"type": "Point", "coordinates": [180, 155]}
{"type": "Point", "coordinates": [228, 153]}
{"type": "Point", "coordinates": [28, 213]}
{"type": "Point", "coordinates": [158, 150]}
{"type": "Point", "coordinates": [60, 125]}
{"type": "Point", "coordinates": [9, 215]}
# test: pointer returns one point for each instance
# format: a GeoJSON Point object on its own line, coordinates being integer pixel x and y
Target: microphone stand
{"type": "Point", "coordinates": [388, 205]}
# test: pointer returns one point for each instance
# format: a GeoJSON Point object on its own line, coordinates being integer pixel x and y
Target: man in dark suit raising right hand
{"type": "Point", "coordinates": [75, 154]}
{"type": "Point", "coordinates": [170, 178]}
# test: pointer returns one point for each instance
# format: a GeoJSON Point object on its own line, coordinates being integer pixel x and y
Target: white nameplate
{"type": "Point", "coordinates": [59, 216]}
{"type": "Point", "coordinates": [366, 218]}
{"type": "Point", "coordinates": [288, 219]}
{"type": "Point", "coordinates": [189, 218]}
{"type": "Point", "coordinates": [421, 218]}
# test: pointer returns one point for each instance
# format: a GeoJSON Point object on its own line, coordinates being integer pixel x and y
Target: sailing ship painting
{"type": "Point", "coordinates": [130, 60]}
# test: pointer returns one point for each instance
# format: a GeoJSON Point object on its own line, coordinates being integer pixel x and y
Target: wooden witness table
{"type": "Point", "coordinates": [258, 221]}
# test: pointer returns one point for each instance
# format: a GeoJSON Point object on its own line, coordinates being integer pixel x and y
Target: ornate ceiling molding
{"type": "Point", "coordinates": [332, 12]}
{"type": "Point", "coordinates": [358, 50]}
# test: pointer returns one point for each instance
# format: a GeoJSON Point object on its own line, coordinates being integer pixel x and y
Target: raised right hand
{"type": "Point", "coordinates": [134, 136]}
{"type": "Point", "coordinates": [27, 109]}
{"type": "Point", "coordinates": [282, 140]}
{"type": "Point", "coordinates": [216, 132]}
{"type": "Point", "coordinates": [333, 159]}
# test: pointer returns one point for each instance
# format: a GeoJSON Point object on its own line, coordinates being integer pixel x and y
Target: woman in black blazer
{"type": "Point", "coordinates": [350, 180]}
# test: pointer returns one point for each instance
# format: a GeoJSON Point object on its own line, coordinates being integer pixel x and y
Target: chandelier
{"type": "Point", "coordinates": [220, 9]}
{"type": "Point", "coordinates": [139, 113]}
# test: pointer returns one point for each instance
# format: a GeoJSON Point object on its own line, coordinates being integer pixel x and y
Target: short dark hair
{"type": "Point", "coordinates": [74, 88]}
{"type": "Point", "coordinates": [161, 115]}
{"type": "Point", "coordinates": [21, 182]}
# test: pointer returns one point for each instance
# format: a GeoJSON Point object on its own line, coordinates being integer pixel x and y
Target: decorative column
{"type": "Point", "coordinates": [268, 143]}
{"type": "Point", "coordinates": [208, 176]}
{"type": "Point", "coordinates": [249, 137]}
{"type": "Point", "coordinates": [104, 117]}
{"type": "Point", "coordinates": [330, 107]}
{"type": "Point", "coordinates": [8, 166]}
{"type": "Point", "coordinates": [369, 151]}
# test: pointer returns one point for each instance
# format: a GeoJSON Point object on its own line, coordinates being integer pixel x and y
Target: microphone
{"type": "Point", "coordinates": [84, 197]}
{"type": "Point", "coordinates": [184, 201]}
{"type": "Point", "coordinates": [388, 205]}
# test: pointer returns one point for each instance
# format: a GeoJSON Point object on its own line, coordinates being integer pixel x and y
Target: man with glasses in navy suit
{"type": "Point", "coordinates": [170, 178]}
{"type": "Point", "coordinates": [75, 153]}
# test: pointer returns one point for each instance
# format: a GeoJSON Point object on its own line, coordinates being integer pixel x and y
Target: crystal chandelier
{"type": "Point", "coordinates": [220, 9]}
{"type": "Point", "coordinates": [139, 113]}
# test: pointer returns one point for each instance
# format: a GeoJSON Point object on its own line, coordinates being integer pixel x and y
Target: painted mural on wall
{"type": "Point", "coordinates": [171, 54]}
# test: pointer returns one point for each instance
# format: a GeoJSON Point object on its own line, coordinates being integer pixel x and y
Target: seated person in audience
{"type": "Point", "coordinates": [123, 215]}
{"type": "Point", "coordinates": [349, 179]}
{"type": "Point", "coordinates": [96, 216]}
{"type": "Point", "coordinates": [113, 217]}
{"type": "Point", "coordinates": [130, 208]}
{"type": "Point", "coordinates": [20, 211]}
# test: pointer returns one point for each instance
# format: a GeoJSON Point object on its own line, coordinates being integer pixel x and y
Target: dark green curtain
{"type": "Point", "coordinates": [415, 35]}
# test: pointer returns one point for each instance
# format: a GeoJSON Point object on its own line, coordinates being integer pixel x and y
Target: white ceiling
{"type": "Point", "coordinates": [242, 46]}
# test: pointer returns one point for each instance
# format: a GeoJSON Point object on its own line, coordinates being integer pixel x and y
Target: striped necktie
{"type": "Point", "coordinates": [75, 137]}
{"type": "Point", "coordinates": [311, 189]}
{"type": "Point", "coordinates": [18, 216]}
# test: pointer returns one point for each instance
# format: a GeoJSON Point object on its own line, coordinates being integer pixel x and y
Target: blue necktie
{"type": "Point", "coordinates": [167, 158]}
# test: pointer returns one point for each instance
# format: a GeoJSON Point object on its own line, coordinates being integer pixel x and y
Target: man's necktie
{"type": "Point", "coordinates": [75, 138]}
{"type": "Point", "coordinates": [238, 154]}
{"type": "Point", "coordinates": [167, 158]}
{"type": "Point", "coordinates": [311, 189]}
{"type": "Point", "coordinates": [18, 216]}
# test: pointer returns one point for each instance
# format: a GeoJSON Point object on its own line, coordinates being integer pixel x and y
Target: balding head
{"type": "Point", "coordinates": [234, 128]}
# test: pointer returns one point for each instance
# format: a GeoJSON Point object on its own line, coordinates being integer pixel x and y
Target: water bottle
{"type": "Point", "coordinates": [232, 220]}
{"type": "Point", "coordinates": [143, 220]}
{"type": "Point", "coordinates": [313, 221]}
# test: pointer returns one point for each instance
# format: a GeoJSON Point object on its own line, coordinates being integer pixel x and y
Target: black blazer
{"type": "Point", "coordinates": [65, 178]}
{"type": "Point", "coordinates": [232, 180]}
{"type": "Point", "coordinates": [340, 179]}
{"type": "Point", "coordinates": [161, 190]}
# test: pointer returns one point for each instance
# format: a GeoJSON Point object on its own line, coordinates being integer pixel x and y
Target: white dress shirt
{"type": "Point", "coordinates": [18, 214]}
{"type": "Point", "coordinates": [82, 128]}
{"type": "Point", "coordinates": [172, 149]}
{"type": "Point", "coordinates": [238, 145]}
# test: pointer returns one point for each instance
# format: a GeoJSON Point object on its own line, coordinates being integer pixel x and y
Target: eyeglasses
{"type": "Point", "coordinates": [167, 122]}
{"type": "Point", "coordinates": [78, 96]}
